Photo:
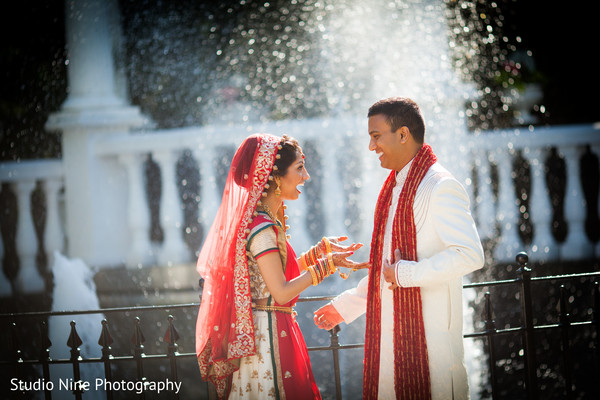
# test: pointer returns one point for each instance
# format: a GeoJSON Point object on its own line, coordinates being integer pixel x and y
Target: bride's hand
{"type": "Point", "coordinates": [340, 259]}
{"type": "Point", "coordinates": [336, 245]}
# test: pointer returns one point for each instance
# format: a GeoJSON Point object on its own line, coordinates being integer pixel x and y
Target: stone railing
{"type": "Point", "coordinates": [191, 165]}
{"type": "Point", "coordinates": [498, 216]}
{"type": "Point", "coordinates": [208, 152]}
{"type": "Point", "coordinates": [27, 187]}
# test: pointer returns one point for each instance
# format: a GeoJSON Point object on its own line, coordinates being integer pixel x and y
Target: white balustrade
{"type": "Point", "coordinates": [332, 189]}
{"type": "Point", "coordinates": [23, 177]}
{"type": "Point", "coordinates": [5, 286]}
{"type": "Point", "coordinates": [140, 250]}
{"type": "Point", "coordinates": [209, 193]}
{"type": "Point", "coordinates": [29, 279]}
{"type": "Point", "coordinates": [297, 211]}
{"type": "Point", "coordinates": [509, 243]}
{"type": "Point", "coordinates": [596, 151]}
{"type": "Point", "coordinates": [173, 250]}
{"type": "Point", "coordinates": [484, 202]}
{"type": "Point", "coordinates": [128, 151]}
{"type": "Point", "coordinates": [543, 246]}
{"type": "Point", "coordinates": [54, 239]}
{"type": "Point", "coordinates": [576, 245]}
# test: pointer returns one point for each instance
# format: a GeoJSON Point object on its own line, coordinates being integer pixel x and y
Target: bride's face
{"type": "Point", "coordinates": [295, 176]}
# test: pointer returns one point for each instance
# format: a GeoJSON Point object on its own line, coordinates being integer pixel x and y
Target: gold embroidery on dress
{"type": "Point", "coordinates": [283, 334]}
{"type": "Point", "coordinates": [268, 375]}
{"type": "Point", "coordinates": [287, 374]}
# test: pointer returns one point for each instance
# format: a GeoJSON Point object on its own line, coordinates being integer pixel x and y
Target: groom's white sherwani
{"type": "Point", "coordinates": [448, 247]}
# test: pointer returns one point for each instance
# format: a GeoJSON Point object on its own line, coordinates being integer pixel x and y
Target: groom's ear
{"type": "Point", "coordinates": [403, 134]}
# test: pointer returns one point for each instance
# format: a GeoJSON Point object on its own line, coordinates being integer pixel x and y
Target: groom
{"type": "Point", "coordinates": [424, 241]}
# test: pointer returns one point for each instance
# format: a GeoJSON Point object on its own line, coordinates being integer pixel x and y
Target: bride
{"type": "Point", "coordinates": [248, 342]}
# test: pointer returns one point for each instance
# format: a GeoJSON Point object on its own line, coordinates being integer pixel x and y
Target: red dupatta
{"type": "Point", "coordinates": [411, 364]}
{"type": "Point", "coordinates": [224, 328]}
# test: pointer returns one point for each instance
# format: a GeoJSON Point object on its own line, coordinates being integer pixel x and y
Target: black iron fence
{"type": "Point", "coordinates": [30, 375]}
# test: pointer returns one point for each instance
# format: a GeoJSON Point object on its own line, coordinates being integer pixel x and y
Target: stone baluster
{"type": "Point", "coordinates": [332, 190]}
{"type": "Point", "coordinates": [209, 193]}
{"type": "Point", "coordinates": [485, 203]}
{"type": "Point", "coordinates": [543, 246]}
{"type": "Point", "coordinates": [508, 244]}
{"type": "Point", "coordinates": [29, 279]}
{"type": "Point", "coordinates": [577, 245]}
{"type": "Point", "coordinates": [174, 250]}
{"type": "Point", "coordinates": [297, 211]}
{"type": "Point", "coordinates": [373, 178]}
{"type": "Point", "coordinates": [138, 213]}
{"type": "Point", "coordinates": [54, 240]}
{"type": "Point", "coordinates": [596, 151]}
{"type": "Point", "coordinates": [5, 286]}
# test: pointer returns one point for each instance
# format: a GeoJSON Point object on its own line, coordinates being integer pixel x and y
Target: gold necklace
{"type": "Point", "coordinates": [269, 212]}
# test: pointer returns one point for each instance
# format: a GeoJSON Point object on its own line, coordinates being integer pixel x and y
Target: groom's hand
{"type": "Point", "coordinates": [389, 271]}
{"type": "Point", "coordinates": [327, 317]}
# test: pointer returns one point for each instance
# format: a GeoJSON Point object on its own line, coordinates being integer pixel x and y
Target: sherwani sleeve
{"type": "Point", "coordinates": [352, 303]}
{"type": "Point", "coordinates": [461, 251]}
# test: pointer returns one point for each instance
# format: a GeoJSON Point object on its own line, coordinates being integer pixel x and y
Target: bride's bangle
{"type": "Point", "coordinates": [313, 274]}
{"type": "Point", "coordinates": [327, 244]}
{"type": "Point", "coordinates": [309, 258]}
{"type": "Point", "coordinates": [330, 264]}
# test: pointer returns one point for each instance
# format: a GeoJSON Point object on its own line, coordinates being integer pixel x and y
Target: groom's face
{"type": "Point", "coordinates": [386, 144]}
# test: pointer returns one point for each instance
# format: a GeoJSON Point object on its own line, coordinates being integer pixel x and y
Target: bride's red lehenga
{"type": "Point", "coordinates": [225, 329]}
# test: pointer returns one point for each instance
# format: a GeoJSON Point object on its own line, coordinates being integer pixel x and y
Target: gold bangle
{"type": "Point", "coordinates": [311, 269]}
{"type": "Point", "coordinates": [327, 245]}
{"type": "Point", "coordinates": [315, 256]}
{"type": "Point", "coordinates": [332, 267]}
{"type": "Point", "coordinates": [303, 265]}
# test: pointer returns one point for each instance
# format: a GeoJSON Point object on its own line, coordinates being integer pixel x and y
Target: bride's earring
{"type": "Point", "coordinates": [277, 189]}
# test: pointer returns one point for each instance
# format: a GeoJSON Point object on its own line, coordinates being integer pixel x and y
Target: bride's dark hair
{"type": "Point", "coordinates": [287, 155]}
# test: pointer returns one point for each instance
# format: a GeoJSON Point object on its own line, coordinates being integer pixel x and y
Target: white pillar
{"type": "Point", "coordinates": [577, 245]}
{"type": "Point", "coordinates": [486, 215]}
{"type": "Point", "coordinates": [543, 246]}
{"type": "Point", "coordinates": [509, 243]}
{"type": "Point", "coordinates": [28, 278]}
{"type": "Point", "coordinates": [95, 188]}
{"type": "Point", "coordinates": [54, 239]}
{"type": "Point", "coordinates": [140, 250]}
{"type": "Point", "coordinates": [91, 71]}
{"type": "Point", "coordinates": [174, 250]}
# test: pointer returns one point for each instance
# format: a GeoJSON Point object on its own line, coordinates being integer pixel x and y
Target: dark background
{"type": "Point", "coordinates": [562, 40]}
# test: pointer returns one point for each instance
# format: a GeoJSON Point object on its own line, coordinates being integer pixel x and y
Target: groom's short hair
{"type": "Point", "coordinates": [399, 112]}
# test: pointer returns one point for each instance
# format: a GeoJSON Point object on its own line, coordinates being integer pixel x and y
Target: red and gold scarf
{"type": "Point", "coordinates": [224, 327]}
{"type": "Point", "coordinates": [411, 364]}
